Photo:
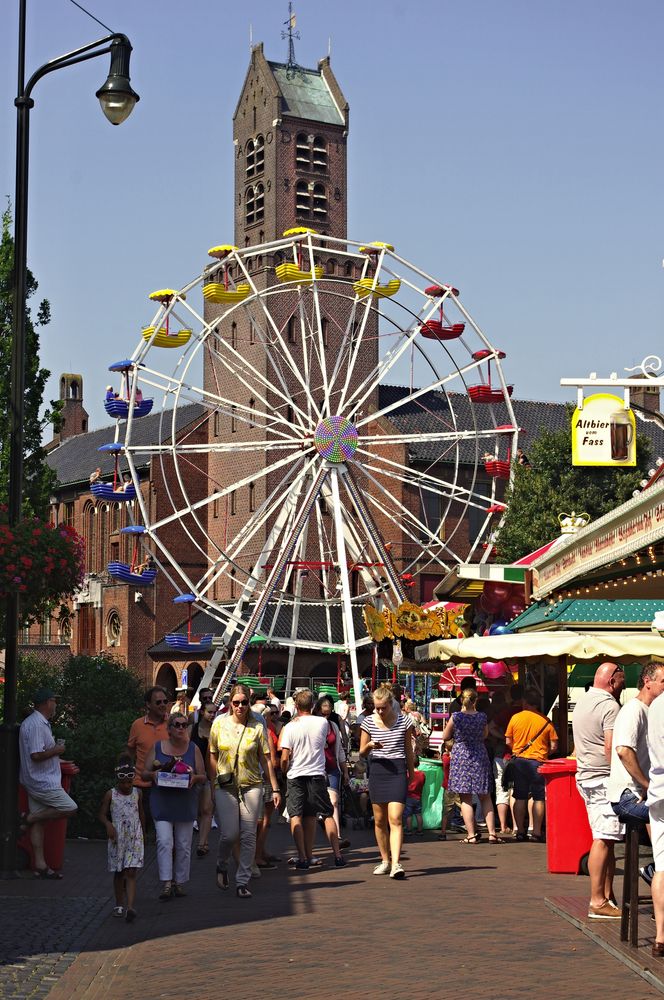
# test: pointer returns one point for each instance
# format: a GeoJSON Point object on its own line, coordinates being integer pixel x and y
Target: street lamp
{"type": "Point", "coordinates": [117, 100]}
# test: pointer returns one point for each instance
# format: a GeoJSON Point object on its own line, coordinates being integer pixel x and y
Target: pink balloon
{"type": "Point", "coordinates": [513, 608]}
{"type": "Point", "coordinates": [494, 669]}
{"type": "Point", "coordinates": [498, 592]}
{"type": "Point", "coordinates": [489, 603]}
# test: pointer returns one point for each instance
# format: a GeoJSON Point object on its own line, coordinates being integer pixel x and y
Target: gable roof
{"type": "Point", "coordinates": [74, 459]}
{"type": "Point", "coordinates": [306, 94]}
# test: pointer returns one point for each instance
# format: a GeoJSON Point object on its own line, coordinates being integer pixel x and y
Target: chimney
{"type": "Point", "coordinates": [646, 396]}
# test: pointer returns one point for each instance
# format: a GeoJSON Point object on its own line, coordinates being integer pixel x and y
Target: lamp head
{"type": "Point", "coordinates": [117, 98]}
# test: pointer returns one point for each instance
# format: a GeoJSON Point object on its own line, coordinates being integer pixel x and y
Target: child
{"type": "Point", "coordinates": [126, 830]}
{"type": "Point", "coordinates": [414, 801]}
{"type": "Point", "coordinates": [359, 785]}
{"type": "Point", "coordinates": [450, 799]}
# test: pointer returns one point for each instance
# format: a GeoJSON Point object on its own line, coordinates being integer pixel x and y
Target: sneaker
{"type": "Point", "coordinates": [255, 871]}
{"type": "Point", "coordinates": [214, 824]}
{"type": "Point", "coordinates": [315, 862]}
{"type": "Point", "coordinates": [604, 912]}
{"type": "Point", "coordinates": [340, 862]}
{"type": "Point", "coordinates": [382, 869]}
{"type": "Point", "coordinates": [397, 871]}
{"type": "Point", "coordinates": [647, 873]}
{"type": "Point", "coordinates": [301, 866]}
{"type": "Point", "coordinates": [131, 916]}
{"type": "Point", "coordinates": [118, 911]}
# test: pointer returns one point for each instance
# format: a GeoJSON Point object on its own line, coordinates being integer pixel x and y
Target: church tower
{"type": "Point", "coordinates": [290, 131]}
{"type": "Point", "coordinates": [74, 417]}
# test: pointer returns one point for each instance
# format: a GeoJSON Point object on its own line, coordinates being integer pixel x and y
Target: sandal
{"type": "Point", "coordinates": [23, 824]}
{"type": "Point", "coordinates": [202, 850]}
{"type": "Point", "coordinates": [475, 839]}
{"type": "Point", "coordinates": [242, 892]}
{"type": "Point", "coordinates": [442, 836]}
{"type": "Point", "coordinates": [47, 873]}
{"type": "Point", "coordinates": [222, 879]}
{"type": "Point", "coordinates": [521, 838]}
{"type": "Point", "coordinates": [496, 840]}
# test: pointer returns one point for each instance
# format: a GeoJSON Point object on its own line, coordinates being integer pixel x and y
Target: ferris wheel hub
{"type": "Point", "coordinates": [335, 439]}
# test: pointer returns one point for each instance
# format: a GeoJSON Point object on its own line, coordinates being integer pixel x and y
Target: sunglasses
{"type": "Point", "coordinates": [180, 725]}
{"type": "Point", "coordinates": [240, 704]}
{"type": "Point", "coordinates": [618, 670]}
{"type": "Point", "coordinates": [162, 701]}
{"type": "Point", "coordinates": [125, 775]}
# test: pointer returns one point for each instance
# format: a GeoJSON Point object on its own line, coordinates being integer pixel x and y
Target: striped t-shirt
{"type": "Point", "coordinates": [393, 740]}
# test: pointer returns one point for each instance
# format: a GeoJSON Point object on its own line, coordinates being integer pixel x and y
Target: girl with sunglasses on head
{"type": "Point", "coordinates": [239, 756]}
{"type": "Point", "coordinates": [174, 809]}
{"type": "Point", "coordinates": [121, 813]}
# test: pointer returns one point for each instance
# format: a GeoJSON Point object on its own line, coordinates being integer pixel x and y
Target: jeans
{"type": "Point", "coordinates": [238, 819]}
{"type": "Point", "coordinates": [629, 807]}
{"type": "Point", "coordinates": [168, 835]}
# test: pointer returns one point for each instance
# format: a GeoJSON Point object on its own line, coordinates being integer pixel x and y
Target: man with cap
{"type": "Point", "coordinates": [40, 776]}
{"type": "Point", "coordinates": [593, 722]}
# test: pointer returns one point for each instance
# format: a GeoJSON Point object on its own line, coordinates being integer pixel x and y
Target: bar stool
{"type": "Point", "coordinates": [629, 917]}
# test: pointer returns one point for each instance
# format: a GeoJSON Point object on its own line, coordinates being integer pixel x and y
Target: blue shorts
{"type": "Point", "coordinates": [333, 780]}
{"type": "Point", "coordinates": [528, 782]}
{"type": "Point", "coordinates": [629, 807]}
{"type": "Point", "coordinates": [413, 807]}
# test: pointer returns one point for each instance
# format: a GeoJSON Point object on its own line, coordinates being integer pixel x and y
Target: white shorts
{"type": "Point", "coordinates": [604, 824]}
{"type": "Point", "coordinates": [502, 794]}
{"type": "Point", "coordinates": [657, 834]}
{"type": "Point", "coordinates": [52, 798]}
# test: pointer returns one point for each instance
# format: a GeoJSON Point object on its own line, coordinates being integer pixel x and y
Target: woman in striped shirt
{"type": "Point", "coordinates": [385, 737]}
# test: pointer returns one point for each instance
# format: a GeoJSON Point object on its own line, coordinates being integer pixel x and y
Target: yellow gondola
{"type": "Point", "coordinates": [365, 286]}
{"type": "Point", "coordinates": [215, 291]}
{"type": "Point", "coordinates": [163, 338]}
{"type": "Point", "coordinates": [291, 272]}
{"type": "Point", "coordinates": [299, 231]}
{"type": "Point", "coordinates": [222, 251]}
{"type": "Point", "coordinates": [164, 295]}
{"type": "Point", "coordinates": [376, 247]}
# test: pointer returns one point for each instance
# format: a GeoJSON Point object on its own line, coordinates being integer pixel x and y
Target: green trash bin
{"type": "Point", "coordinates": [432, 793]}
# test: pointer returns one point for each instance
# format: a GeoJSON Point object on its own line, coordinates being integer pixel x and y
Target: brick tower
{"type": "Point", "coordinates": [289, 131]}
{"type": "Point", "coordinates": [74, 417]}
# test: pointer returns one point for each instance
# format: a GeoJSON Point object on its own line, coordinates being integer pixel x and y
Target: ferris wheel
{"type": "Point", "coordinates": [332, 420]}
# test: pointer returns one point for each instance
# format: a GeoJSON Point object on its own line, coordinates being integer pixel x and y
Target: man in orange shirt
{"type": "Point", "coordinates": [532, 739]}
{"type": "Point", "coordinates": [145, 732]}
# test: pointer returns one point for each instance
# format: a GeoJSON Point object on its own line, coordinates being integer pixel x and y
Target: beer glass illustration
{"type": "Point", "coordinates": [621, 435]}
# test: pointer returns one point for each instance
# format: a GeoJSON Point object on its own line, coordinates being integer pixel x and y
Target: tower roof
{"type": "Point", "coordinates": [305, 93]}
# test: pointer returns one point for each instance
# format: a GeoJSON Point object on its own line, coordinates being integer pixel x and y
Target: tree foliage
{"type": "Point", "coordinates": [38, 478]}
{"type": "Point", "coordinates": [551, 485]}
{"type": "Point", "coordinates": [98, 699]}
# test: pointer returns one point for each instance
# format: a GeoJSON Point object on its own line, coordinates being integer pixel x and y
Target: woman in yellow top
{"type": "Point", "coordinates": [238, 757]}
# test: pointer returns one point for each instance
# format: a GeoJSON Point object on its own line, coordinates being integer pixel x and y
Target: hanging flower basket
{"type": "Point", "coordinates": [41, 562]}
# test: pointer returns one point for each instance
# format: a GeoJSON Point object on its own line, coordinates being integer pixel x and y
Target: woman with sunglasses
{"type": "Point", "coordinates": [239, 756]}
{"type": "Point", "coordinates": [174, 809]}
{"type": "Point", "coordinates": [121, 813]}
{"type": "Point", "coordinates": [200, 735]}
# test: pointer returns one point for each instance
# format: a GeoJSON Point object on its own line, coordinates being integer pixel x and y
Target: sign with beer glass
{"type": "Point", "coordinates": [603, 432]}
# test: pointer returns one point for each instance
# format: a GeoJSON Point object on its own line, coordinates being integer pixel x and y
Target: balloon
{"type": "Point", "coordinates": [497, 625]}
{"type": "Point", "coordinates": [497, 592]}
{"type": "Point", "coordinates": [502, 630]}
{"type": "Point", "coordinates": [494, 669]}
{"type": "Point", "coordinates": [489, 604]}
{"type": "Point", "coordinates": [513, 608]}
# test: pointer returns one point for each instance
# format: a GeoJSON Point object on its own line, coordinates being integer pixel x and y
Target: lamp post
{"type": "Point", "coordinates": [117, 100]}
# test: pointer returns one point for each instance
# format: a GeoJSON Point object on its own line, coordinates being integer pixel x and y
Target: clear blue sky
{"type": "Point", "coordinates": [513, 148]}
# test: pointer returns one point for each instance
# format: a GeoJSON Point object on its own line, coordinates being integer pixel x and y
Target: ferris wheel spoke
{"type": "Point", "coordinates": [347, 616]}
{"type": "Point", "coordinates": [356, 336]}
{"type": "Point", "coordinates": [286, 353]}
{"type": "Point", "coordinates": [432, 436]}
{"type": "Point", "coordinates": [405, 474]}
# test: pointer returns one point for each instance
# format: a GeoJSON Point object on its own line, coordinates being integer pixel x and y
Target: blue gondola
{"type": "Point", "coordinates": [105, 491]}
{"type": "Point", "coordinates": [122, 572]}
{"type": "Point", "coordinates": [186, 644]}
{"type": "Point", "coordinates": [119, 408]}
{"type": "Point", "coordinates": [133, 529]}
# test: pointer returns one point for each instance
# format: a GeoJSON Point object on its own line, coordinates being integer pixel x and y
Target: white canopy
{"type": "Point", "coordinates": [537, 645]}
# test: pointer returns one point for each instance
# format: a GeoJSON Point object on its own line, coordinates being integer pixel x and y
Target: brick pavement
{"type": "Point", "coordinates": [469, 921]}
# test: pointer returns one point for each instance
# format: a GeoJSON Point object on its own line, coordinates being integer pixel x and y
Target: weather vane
{"type": "Point", "coordinates": [291, 34]}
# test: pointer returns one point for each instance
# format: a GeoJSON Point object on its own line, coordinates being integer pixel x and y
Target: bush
{"type": "Point", "coordinates": [98, 699]}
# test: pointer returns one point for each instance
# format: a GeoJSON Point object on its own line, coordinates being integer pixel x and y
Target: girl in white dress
{"type": "Point", "coordinates": [122, 814]}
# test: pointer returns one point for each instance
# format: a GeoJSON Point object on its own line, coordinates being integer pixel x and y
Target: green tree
{"type": "Point", "coordinates": [38, 478]}
{"type": "Point", "coordinates": [552, 485]}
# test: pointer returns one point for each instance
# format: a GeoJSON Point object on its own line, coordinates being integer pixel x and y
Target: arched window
{"type": "Point", "coordinates": [233, 503]}
{"type": "Point", "coordinates": [250, 159]}
{"type": "Point", "coordinates": [233, 419]}
{"type": "Point", "coordinates": [320, 202]}
{"type": "Point", "coordinates": [319, 154]}
{"type": "Point", "coordinates": [260, 202]}
{"type": "Point", "coordinates": [302, 200]}
{"type": "Point", "coordinates": [252, 412]}
{"type": "Point", "coordinates": [104, 536]}
{"type": "Point", "coordinates": [349, 268]}
{"type": "Point", "coordinates": [232, 584]}
{"type": "Point", "coordinates": [234, 334]}
{"type": "Point", "coordinates": [302, 151]}
{"type": "Point", "coordinates": [90, 538]}
{"type": "Point", "coordinates": [252, 497]}
{"type": "Point", "coordinates": [331, 266]}
{"type": "Point", "coordinates": [254, 153]}
{"type": "Point", "coordinates": [249, 206]}
{"type": "Point", "coordinates": [290, 330]}
{"type": "Point", "coordinates": [325, 330]}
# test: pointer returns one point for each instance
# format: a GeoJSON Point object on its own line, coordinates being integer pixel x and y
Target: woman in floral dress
{"type": "Point", "coordinates": [469, 765]}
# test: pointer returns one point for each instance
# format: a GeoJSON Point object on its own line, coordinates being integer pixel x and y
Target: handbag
{"type": "Point", "coordinates": [227, 778]}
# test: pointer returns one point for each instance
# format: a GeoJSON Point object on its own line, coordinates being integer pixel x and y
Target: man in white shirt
{"type": "Point", "coordinates": [656, 808]}
{"type": "Point", "coordinates": [303, 761]}
{"type": "Point", "coordinates": [40, 776]}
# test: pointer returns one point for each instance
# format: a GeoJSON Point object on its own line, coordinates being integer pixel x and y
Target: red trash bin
{"type": "Point", "coordinates": [568, 836]}
{"type": "Point", "coordinates": [55, 831]}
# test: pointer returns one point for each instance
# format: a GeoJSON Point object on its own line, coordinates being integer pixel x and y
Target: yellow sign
{"type": "Point", "coordinates": [603, 432]}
